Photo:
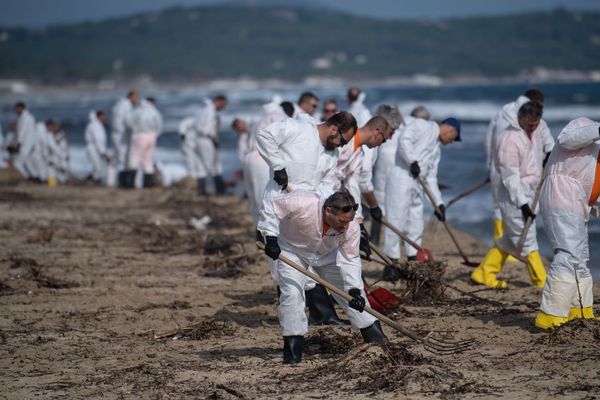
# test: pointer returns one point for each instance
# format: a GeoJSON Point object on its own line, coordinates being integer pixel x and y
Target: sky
{"type": "Point", "coordinates": [40, 13]}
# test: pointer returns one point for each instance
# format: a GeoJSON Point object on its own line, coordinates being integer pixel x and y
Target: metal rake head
{"type": "Point", "coordinates": [444, 347]}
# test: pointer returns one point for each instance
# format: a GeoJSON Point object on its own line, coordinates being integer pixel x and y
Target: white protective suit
{"type": "Point", "coordinates": [420, 141]}
{"type": "Point", "coordinates": [504, 118]}
{"type": "Point", "coordinates": [56, 155]}
{"type": "Point", "coordinates": [146, 125]}
{"type": "Point", "coordinates": [332, 255]}
{"type": "Point", "coordinates": [384, 162]}
{"type": "Point", "coordinates": [206, 132]}
{"type": "Point", "coordinates": [360, 111]}
{"type": "Point", "coordinates": [569, 193]}
{"type": "Point", "coordinates": [121, 135]}
{"type": "Point", "coordinates": [95, 144]}
{"type": "Point", "coordinates": [30, 161]}
{"type": "Point", "coordinates": [188, 147]}
{"type": "Point", "coordinates": [256, 170]}
{"type": "Point", "coordinates": [518, 162]}
{"type": "Point", "coordinates": [347, 171]}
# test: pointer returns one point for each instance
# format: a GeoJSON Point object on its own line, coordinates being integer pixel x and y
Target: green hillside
{"type": "Point", "coordinates": [230, 41]}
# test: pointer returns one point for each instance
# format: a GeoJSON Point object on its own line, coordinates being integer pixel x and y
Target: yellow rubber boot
{"type": "Point", "coordinates": [498, 229]}
{"type": "Point", "coordinates": [52, 181]}
{"type": "Point", "coordinates": [575, 312]}
{"type": "Point", "coordinates": [498, 232]}
{"type": "Point", "coordinates": [537, 271]}
{"type": "Point", "coordinates": [547, 321]}
{"type": "Point", "coordinates": [489, 268]}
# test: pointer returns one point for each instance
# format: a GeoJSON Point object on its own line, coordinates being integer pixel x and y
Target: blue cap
{"type": "Point", "coordinates": [453, 122]}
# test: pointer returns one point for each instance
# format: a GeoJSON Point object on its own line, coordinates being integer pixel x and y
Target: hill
{"type": "Point", "coordinates": [283, 42]}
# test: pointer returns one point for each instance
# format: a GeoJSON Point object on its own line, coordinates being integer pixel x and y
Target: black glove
{"type": "Point", "coordinates": [527, 213]}
{"type": "Point", "coordinates": [281, 178]}
{"type": "Point", "coordinates": [364, 243]}
{"type": "Point", "coordinates": [358, 302]}
{"type": "Point", "coordinates": [259, 237]}
{"type": "Point", "coordinates": [441, 216]}
{"type": "Point", "coordinates": [376, 213]}
{"type": "Point", "coordinates": [272, 247]}
{"type": "Point", "coordinates": [415, 170]}
{"type": "Point", "coordinates": [546, 160]}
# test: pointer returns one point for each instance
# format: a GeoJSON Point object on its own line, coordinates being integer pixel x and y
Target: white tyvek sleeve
{"type": "Point", "coordinates": [406, 144]}
{"type": "Point", "coordinates": [546, 137]}
{"type": "Point", "coordinates": [351, 181]}
{"type": "Point", "coordinates": [269, 140]}
{"type": "Point", "coordinates": [281, 206]}
{"type": "Point", "coordinates": [205, 122]}
{"type": "Point", "coordinates": [431, 178]}
{"type": "Point", "coordinates": [579, 133]}
{"type": "Point", "coordinates": [348, 257]}
{"type": "Point", "coordinates": [158, 122]}
{"type": "Point", "coordinates": [366, 171]}
{"type": "Point", "coordinates": [508, 164]}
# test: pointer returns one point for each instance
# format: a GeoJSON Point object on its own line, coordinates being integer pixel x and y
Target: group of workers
{"type": "Point", "coordinates": [308, 177]}
{"type": "Point", "coordinates": [307, 181]}
{"type": "Point", "coordinates": [38, 149]}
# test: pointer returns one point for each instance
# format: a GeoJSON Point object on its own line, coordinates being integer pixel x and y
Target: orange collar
{"type": "Point", "coordinates": [596, 186]}
{"type": "Point", "coordinates": [356, 140]}
{"type": "Point", "coordinates": [325, 228]}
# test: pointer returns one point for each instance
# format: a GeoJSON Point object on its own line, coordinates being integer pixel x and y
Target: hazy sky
{"type": "Point", "coordinates": [35, 13]}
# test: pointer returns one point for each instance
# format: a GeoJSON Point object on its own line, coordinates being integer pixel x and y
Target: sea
{"type": "Point", "coordinates": [462, 164]}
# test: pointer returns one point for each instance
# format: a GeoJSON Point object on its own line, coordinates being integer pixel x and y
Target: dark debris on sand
{"type": "Point", "coordinates": [422, 281]}
{"type": "Point", "coordinates": [329, 341]}
{"type": "Point", "coordinates": [208, 329]}
{"type": "Point", "coordinates": [577, 331]}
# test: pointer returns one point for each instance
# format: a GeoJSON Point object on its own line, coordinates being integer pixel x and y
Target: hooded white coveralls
{"type": "Point", "coordinates": [569, 193]}
{"type": "Point", "coordinates": [121, 135]}
{"type": "Point", "coordinates": [332, 255]}
{"type": "Point", "coordinates": [206, 132]}
{"type": "Point", "coordinates": [30, 159]}
{"type": "Point", "coordinates": [506, 117]}
{"type": "Point", "coordinates": [256, 170]}
{"type": "Point", "coordinates": [95, 144]}
{"type": "Point", "coordinates": [420, 141]}
{"type": "Point", "coordinates": [188, 147]}
{"type": "Point", "coordinates": [146, 124]}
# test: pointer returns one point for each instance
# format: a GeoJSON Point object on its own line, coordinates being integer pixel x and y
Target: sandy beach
{"type": "Point", "coordinates": [89, 276]}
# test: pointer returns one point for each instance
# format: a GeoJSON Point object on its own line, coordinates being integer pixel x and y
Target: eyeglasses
{"type": "Point", "coordinates": [329, 110]}
{"type": "Point", "coordinates": [343, 140]}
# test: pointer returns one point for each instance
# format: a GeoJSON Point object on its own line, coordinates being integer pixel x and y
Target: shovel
{"type": "Point", "coordinates": [468, 192]}
{"type": "Point", "coordinates": [423, 254]}
{"type": "Point", "coordinates": [431, 344]}
{"type": "Point", "coordinates": [450, 233]}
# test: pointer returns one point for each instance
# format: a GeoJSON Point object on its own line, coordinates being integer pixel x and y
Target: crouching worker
{"type": "Point", "coordinates": [569, 195]}
{"type": "Point", "coordinates": [323, 235]}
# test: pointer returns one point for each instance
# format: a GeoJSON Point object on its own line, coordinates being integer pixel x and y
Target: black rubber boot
{"type": "Point", "coordinates": [292, 349]}
{"type": "Point", "coordinates": [375, 232]}
{"type": "Point", "coordinates": [201, 186]}
{"type": "Point", "coordinates": [320, 308]}
{"type": "Point", "coordinates": [374, 334]}
{"type": "Point", "coordinates": [411, 258]}
{"type": "Point", "coordinates": [122, 179]}
{"type": "Point", "coordinates": [129, 178]}
{"type": "Point", "coordinates": [219, 185]}
{"type": "Point", "coordinates": [148, 180]}
{"type": "Point", "coordinates": [390, 273]}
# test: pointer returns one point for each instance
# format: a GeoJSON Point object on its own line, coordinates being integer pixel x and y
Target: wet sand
{"type": "Point", "coordinates": [89, 276]}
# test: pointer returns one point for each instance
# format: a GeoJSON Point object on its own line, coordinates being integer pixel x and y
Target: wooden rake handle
{"type": "Point", "coordinates": [468, 192]}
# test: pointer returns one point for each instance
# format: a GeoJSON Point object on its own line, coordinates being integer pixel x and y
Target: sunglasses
{"type": "Point", "coordinates": [330, 110]}
{"type": "Point", "coordinates": [343, 140]}
{"type": "Point", "coordinates": [347, 209]}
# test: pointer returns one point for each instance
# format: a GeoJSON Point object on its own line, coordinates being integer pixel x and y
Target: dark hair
{"type": "Point", "coordinates": [307, 96]}
{"type": "Point", "coordinates": [531, 109]}
{"type": "Point", "coordinates": [378, 122]}
{"type": "Point", "coordinates": [151, 99]}
{"type": "Point", "coordinates": [288, 108]}
{"type": "Point", "coordinates": [20, 104]}
{"type": "Point", "coordinates": [341, 201]}
{"type": "Point", "coordinates": [534, 95]}
{"type": "Point", "coordinates": [220, 97]}
{"type": "Point", "coordinates": [131, 93]}
{"type": "Point", "coordinates": [344, 121]}
{"type": "Point", "coordinates": [353, 94]}
{"type": "Point", "coordinates": [235, 122]}
{"type": "Point", "coordinates": [99, 113]}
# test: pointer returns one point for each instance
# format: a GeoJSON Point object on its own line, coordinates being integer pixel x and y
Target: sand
{"type": "Point", "coordinates": [89, 276]}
